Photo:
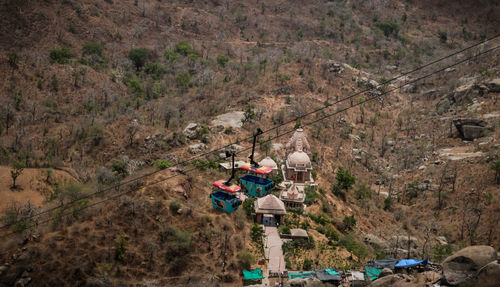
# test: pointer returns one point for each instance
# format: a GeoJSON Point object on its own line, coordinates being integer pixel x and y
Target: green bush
{"type": "Point", "coordinates": [170, 55]}
{"type": "Point", "coordinates": [155, 69]}
{"type": "Point", "coordinates": [178, 245]}
{"type": "Point", "coordinates": [353, 246]}
{"type": "Point", "coordinates": [256, 233]}
{"type": "Point", "coordinates": [307, 264]}
{"type": "Point", "coordinates": [183, 48]}
{"type": "Point", "coordinates": [222, 60]}
{"type": "Point", "coordinates": [284, 229]}
{"type": "Point", "coordinates": [344, 178]}
{"type": "Point", "coordinates": [163, 164]}
{"type": "Point", "coordinates": [245, 259]}
{"type": "Point", "coordinates": [389, 28]}
{"type": "Point", "coordinates": [248, 207]}
{"type": "Point", "coordinates": [121, 247]}
{"type": "Point", "coordinates": [61, 56]}
{"type": "Point", "coordinates": [92, 49]}
{"type": "Point", "coordinates": [183, 80]}
{"type": "Point", "coordinates": [363, 192]}
{"type": "Point", "coordinates": [138, 57]}
{"type": "Point", "coordinates": [311, 195]}
{"type": "Point", "coordinates": [329, 232]}
{"type": "Point", "coordinates": [443, 36]}
{"type": "Point", "coordinates": [349, 222]}
{"type": "Point", "coordinates": [96, 134]}
{"type": "Point", "coordinates": [388, 203]}
{"type": "Point", "coordinates": [440, 252]}
{"type": "Point", "coordinates": [320, 219]}
{"type": "Point", "coordinates": [135, 86]}
{"type": "Point", "coordinates": [13, 59]}
{"type": "Point", "coordinates": [120, 168]}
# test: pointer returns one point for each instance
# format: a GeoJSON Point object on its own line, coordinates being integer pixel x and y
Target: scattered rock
{"type": "Point", "coordinates": [441, 240]}
{"type": "Point", "coordinates": [3, 269]}
{"type": "Point", "coordinates": [465, 263]}
{"type": "Point", "coordinates": [332, 67]}
{"type": "Point", "coordinates": [217, 129]}
{"type": "Point", "coordinates": [493, 85]}
{"type": "Point", "coordinates": [197, 148]}
{"type": "Point", "coordinates": [190, 131]}
{"type": "Point", "coordinates": [232, 119]}
{"type": "Point", "coordinates": [22, 282]}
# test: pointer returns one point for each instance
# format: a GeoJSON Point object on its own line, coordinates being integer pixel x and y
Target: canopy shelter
{"type": "Point", "coordinates": [255, 274]}
{"type": "Point", "coordinates": [408, 263]}
{"type": "Point", "coordinates": [269, 204]}
{"type": "Point", "coordinates": [329, 275]}
{"type": "Point", "coordinates": [298, 233]}
{"type": "Point", "coordinates": [383, 263]}
{"type": "Point", "coordinates": [374, 267]}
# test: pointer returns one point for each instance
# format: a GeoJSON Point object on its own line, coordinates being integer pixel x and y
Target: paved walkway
{"type": "Point", "coordinates": [272, 249]}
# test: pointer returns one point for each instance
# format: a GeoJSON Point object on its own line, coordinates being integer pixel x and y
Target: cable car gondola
{"type": "Point", "coordinates": [224, 198]}
{"type": "Point", "coordinates": [253, 184]}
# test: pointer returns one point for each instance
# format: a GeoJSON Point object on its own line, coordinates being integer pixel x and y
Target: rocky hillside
{"type": "Point", "coordinates": [98, 92]}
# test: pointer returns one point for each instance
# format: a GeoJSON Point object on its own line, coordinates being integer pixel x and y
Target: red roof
{"type": "Point", "coordinates": [229, 188]}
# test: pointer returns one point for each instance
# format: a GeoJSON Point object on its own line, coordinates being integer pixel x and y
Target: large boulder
{"type": "Point", "coordinates": [375, 242]}
{"type": "Point", "coordinates": [390, 280]}
{"type": "Point", "coordinates": [191, 131]}
{"type": "Point", "coordinates": [489, 275]}
{"type": "Point", "coordinates": [302, 282]}
{"type": "Point", "coordinates": [464, 264]}
{"type": "Point", "coordinates": [197, 148]}
{"type": "Point", "coordinates": [385, 272]}
{"type": "Point", "coordinates": [231, 119]}
{"type": "Point", "coordinates": [470, 129]}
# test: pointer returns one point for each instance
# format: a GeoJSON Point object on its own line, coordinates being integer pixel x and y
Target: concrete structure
{"type": "Point", "coordinates": [298, 233]}
{"type": "Point", "coordinates": [272, 205]}
{"type": "Point", "coordinates": [294, 196]}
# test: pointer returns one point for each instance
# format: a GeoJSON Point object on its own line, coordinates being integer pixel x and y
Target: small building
{"type": "Point", "coordinates": [270, 163]}
{"type": "Point", "coordinates": [294, 196]}
{"type": "Point", "coordinates": [298, 233]}
{"type": "Point", "coordinates": [269, 205]}
{"type": "Point", "coordinates": [227, 166]}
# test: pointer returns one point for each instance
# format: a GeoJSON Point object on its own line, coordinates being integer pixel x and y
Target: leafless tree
{"type": "Point", "coordinates": [132, 129]}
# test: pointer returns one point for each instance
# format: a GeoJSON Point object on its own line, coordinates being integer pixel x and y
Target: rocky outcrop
{"type": "Point", "coordinates": [465, 264]}
{"type": "Point", "coordinates": [375, 242]}
{"type": "Point", "coordinates": [197, 148]}
{"type": "Point", "coordinates": [302, 282]}
{"type": "Point", "coordinates": [191, 131]}
{"type": "Point", "coordinates": [470, 129]}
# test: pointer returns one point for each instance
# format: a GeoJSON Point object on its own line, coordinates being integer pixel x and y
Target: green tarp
{"type": "Point", "coordinates": [302, 275]}
{"type": "Point", "coordinates": [332, 272]}
{"type": "Point", "coordinates": [372, 272]}
{"type": "Point", "coordinates": [252, 274]}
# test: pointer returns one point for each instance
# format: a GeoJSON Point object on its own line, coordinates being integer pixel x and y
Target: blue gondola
{"type": "Point", "coordinates": [224, 201]}
{"type": "Point", "coordinates": [224, 198]}
{"type": "Point", "coordinates": [255, 185]}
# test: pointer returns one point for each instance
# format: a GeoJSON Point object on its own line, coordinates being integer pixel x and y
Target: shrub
{"type": "Point", "coordinates": [54, 83]}
{"type": "Point", "coordinates": [443, 36]}
{"type": "Point", "coordinates": [61, 56]}
{"type": "Point", "coordinates": [388, 203]}
{"type": "Point", "coordinates": [311, 195]}
{"type": "Point", "coordinates": [95, 134]}
{"type": "Point", "coordinates": [388, 27]}
{"type": "Point", "coordinates": [13, 59]}
{"type": "Point", "coordinates": [307, 264]}
{"type": "Point", "coordinates": [138, 57]}
{"type": "Point", "coordinates": [363, 192]}
{"type": "Point", "coordinates": [344, 178]}
{"type": "Point", "coordinates": [178, 245]}
{"type": "Point", "coordinates": [174, 206]}
{"type": "Point", "coordinates": [256, 233]}
{"type": "Point", "coordinates": [248, 207]}
{"type": "Point", "coordinates": [155, 69]}
{"type": "Point", "coordinates": [170, 55]}
{"type": "Point", "coordinates": [320, 219]}
{"type": "Point", "coordinates": [349, 222]}
{"type": "Point", "coordinates": [440, 252]}
{"type": "Point", "coordinates": [183, 80]}
{"type": "Point", "coordinates": [104, 175]}
{"type": "Point", "coordinates": [18, 217]}
{"type": "Point", "coordinates": [329, 232]}
{"type": "Point", "coordinates": [222, 60]}
{"type": "Point", "coordinates": [337, 191]}
{"type": "Point", "coordinates": [17, 168]}
{"type": "Point", "coordinates": [163, 164]}
{"type": "Point", "coordinates": [245, 259]}
{"type": "Point", "coordinates": [120, 168]}
{"type": "Point", "coordinates": [92, 49]}
{"type": "Point", "coordinates": [135, 86]}
{"type": "Point", "coordinates": [121, 247]}
{"type": "Point", "coordinates": [353, 246]}
{"type": "Point", "coordinates": [496, 167]}
{"type": "Point", "coordinates": [284, 229]}
{"type": "Point", "coordinates": [183, 48]}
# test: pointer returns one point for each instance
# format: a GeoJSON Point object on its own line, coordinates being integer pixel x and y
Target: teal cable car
{"type": "Point", "coordinates": [224, 197]}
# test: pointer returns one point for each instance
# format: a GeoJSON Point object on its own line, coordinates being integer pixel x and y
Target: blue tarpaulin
{"type": "Point", "coordinates": [309, 274]}
{"type": "Point", "coordinates": [407, 263]}
{"type": "Point", "coordinates": [252, 274]}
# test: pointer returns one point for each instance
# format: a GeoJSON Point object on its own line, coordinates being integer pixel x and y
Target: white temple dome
{"type": "Point", "coordinates": [298, 158]}
{"type": "Point", "coordinates": [268, 162]}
